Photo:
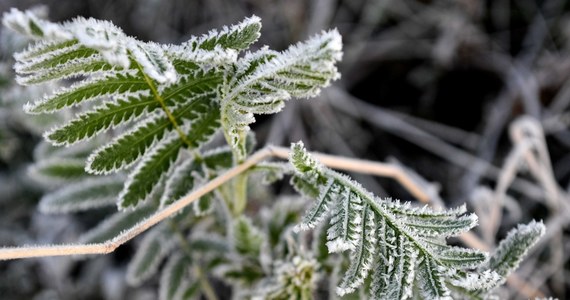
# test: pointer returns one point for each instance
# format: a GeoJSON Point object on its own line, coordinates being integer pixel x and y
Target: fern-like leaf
{"type": "Point", "coordinates": [110, 114]}
{"type": "Point", "coordinates": [247, 239]}
{"type": "Point", "coordinates": [363, 255]}
{"type": "Point", "coordinates": [83, 195]}
{"type": "Point", "coordinates": [265, 80]}
{"type": "Point", "coordinates": [514, 247]}
{"type": "Point", "coordinates": [132, 145]}
{"type": "Point", "coordinates": [395, 266]}
{"type": "Point", "coordinates": [430, 280]}
{"type": "Point", "coordinates": [345, 222]}
{"type": "Point", "coordinates": [326, 197]}
{"type": "Point", "coordinates": [237, 37]}
{"type": "Point", "coordinates": [151, 170]}
{"type": "Point", "coordinates": [173, 276]}
{"type": "Point", "coordinates": [57, 170]}
{"type": "Point", "coordinates": [169, 98]}
{"type": "Point", "coordinates": [28, 24]}
{"type": "Point", "coordinates": [411, 250]}
{"type": "Point", "coordinates": [127, 83]}
{"type": "Point", "coordinates": [153, 249]}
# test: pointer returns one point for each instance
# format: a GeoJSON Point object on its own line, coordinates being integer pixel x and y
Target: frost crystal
{"type": "Point", "coordinates": [103, 36]}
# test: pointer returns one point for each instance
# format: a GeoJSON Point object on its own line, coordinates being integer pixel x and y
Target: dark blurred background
{"type": "Point", "coordinates": [431, 85]}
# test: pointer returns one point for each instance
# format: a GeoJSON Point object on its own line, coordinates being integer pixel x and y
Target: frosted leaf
{"type": "Point", "coordinates": [345, 224]}
{"type": "Point", "coordinates": [174, 276]}
{"type": "Point", "coordinates": [84, 195]}
{"type": "Point", "coordinates": [320, 210]}
{"type": "Point", "coordinates": [155, 246]}
{"type": "Point", "coordinates": [265, 81]}
{"type": "Point", "coordinates": [103, 36]}
{"type": "Point", "coordinates": [28, 24]}
{"type": "Point", "coordinates": [154, 62]}
{"type": "Point", "coordinates": [411, 254]}
{"type": "Point", "coordinates": [485, 280]}
{"type": "Point", "coordinates": [363, 255]}
{"type": "Point", "coordinates": [514, 247]}
{"type": "Point", "coordinates": [211, 58]}
{"type": "Point", "coordinates": [237, 37]}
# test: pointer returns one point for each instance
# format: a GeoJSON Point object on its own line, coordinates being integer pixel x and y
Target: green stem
{"type": "Point", "coordinates": [240, 193]}
{"type": "Point", "coordinates": [183, 242]}
{"type": "Point", "coordinates": [205, 285]}
{"type": "Point", "coordinates": [207, 289]}
{"type": "Point", "coordinates": [160, 100]}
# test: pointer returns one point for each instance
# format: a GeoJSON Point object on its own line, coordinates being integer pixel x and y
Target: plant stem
{"type": "Point", "coordinates": [183, 242]}
{"type": "Point", "coordinates": [162, 103]}
{"type": "Point", "coordinates": [207, 289]}
{"type": "Point", "coordinates": [269, 151]}
{"type": "Point", "coordinates": [240, 193]}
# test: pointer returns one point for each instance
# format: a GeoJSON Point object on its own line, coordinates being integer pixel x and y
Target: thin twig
{"type": "Point", "coordinates": [347, 164]}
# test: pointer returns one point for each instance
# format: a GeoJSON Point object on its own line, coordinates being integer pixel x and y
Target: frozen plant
{"type": "Point", "coordinates": [143, 117]}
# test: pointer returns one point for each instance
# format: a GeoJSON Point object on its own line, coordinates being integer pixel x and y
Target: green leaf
{"type": "Point", "coordinates": [35, 29]}
{"type": "Point", "coordinates": [362, 256]}
{"type": "Point", "coordinates": [441, 227]}
{"type": "Point", "coordinates": [150, 171]}
{"type": "Point", "coordinates": [463, 258]}
{"type": "Point", "coordinates": [84, 195]}
{"type": "Point", "coordinates": [110, 85]}
{"type": "Point", "coordinates": [247, 239]}
{"type": "Point", "coordinates": [109, 40]}
{"type": "Point", "coordinates": [154, 62]}
{"type": "Point", "coordinates": [396, 266]}
{"type": "Point", "coordinates": [181, 182]}
{"type": "Point", "coordinates": [129, 147]}
{"type": "Point", "coordinates": [155, 246]}
{"type": "Point", "coordinates": [156, 164]}
{"type": "Point", "coordinates": [73, 69]}
{"type": "Point", "coordinates": [412, 250]}
{"type": "Point", "coordinates": [320, 210]}
{"type": "Point", "coordinates": [189, 100]}
{"type": "Point", "coordinates": [412, 212]}
{"type": "Point", "coordinates": [29, 25]}
{"type": "Point", "coordinates": [238, 37]}
{"type": "Point", "coordinates": [174, 274]}
{"type": "Point", "coordinates": [53, 59]}
{"type": "Point", "coordinates": [44, 49]}
{"type": "Point", "coordinates": [344, 227]}
{"type": "Point", "coordinates": [430, 280]}
{"type": "Point", "coordinates": [514, 247]}
{"type": "Point", "coordinates": [303, 162]}
{"type": "Point", "coordinates": [110, 114]}
{"type": "Point", "coordinates": [117, 224]}
{"type": "Point", "coordinates": [300, 71]}
{"type": "Point", "coordinates": [58, 170]}
{"type": "Point", "coordinates": [304, 187]}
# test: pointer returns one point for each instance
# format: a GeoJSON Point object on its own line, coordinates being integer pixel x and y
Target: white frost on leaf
{"type": "Point", "coordinates": [485, 280]}
{"type": "Point", "coordinates": [27, 23]}
{"type": "Point", "coordinates": [212, 58]}
{"type": "Point", "coordinates": [103, 36]}
{"type": "Point", "coordinates": [154, 62]}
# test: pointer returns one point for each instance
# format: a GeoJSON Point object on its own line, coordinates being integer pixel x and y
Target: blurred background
{"type": "Point", "coordinates": [469, 97]}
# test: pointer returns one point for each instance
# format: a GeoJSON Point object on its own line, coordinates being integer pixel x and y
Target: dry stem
{"type": "Point", "coordinates": [347, 164]}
